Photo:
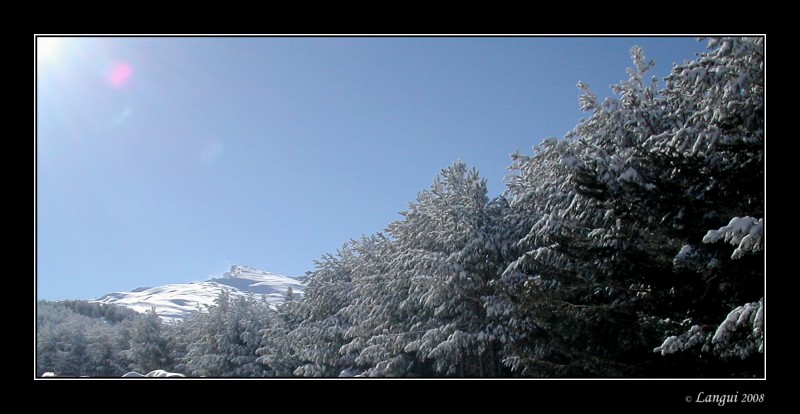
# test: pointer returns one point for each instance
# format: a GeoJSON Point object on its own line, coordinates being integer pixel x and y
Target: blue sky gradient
{"type": "Point", "coordinates": [164, 160]}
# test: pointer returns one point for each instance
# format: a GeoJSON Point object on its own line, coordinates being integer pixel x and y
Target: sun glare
{"type": "Point", "coordinates": [48, 49]}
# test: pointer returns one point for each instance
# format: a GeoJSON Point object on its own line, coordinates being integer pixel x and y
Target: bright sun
{"type": "Point", "coordinates": [48, 49]}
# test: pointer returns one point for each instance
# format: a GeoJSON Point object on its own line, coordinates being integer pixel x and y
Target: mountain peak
{"type": "Point", "coordinates": [237, 270]}
{"type": "Point", "coordinates": [176, 301]}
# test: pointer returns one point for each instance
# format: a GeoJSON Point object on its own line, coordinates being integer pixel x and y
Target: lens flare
{"type": "Point", "coordinates": [119, 75]}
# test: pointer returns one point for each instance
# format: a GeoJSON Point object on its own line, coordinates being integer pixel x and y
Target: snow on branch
{"type": "Point", "coordinates": [747, 314]}
{"type": "Point", "coordinates": [740, 334]}
{"type": "Point", "coordinates": [747, 232]}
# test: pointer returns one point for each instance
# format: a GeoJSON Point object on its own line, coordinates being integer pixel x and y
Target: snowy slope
{"type": "Point", "coordinates": [175, 301]}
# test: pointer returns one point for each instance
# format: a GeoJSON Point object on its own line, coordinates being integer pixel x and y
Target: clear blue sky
{"type": "Point", "coordinates": [163, 160]}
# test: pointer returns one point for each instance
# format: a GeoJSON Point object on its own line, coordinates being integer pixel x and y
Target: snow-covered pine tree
{"type": "Point", "coordinates": [721, 134]}
{"type": "Point", "coordinates": [225, 340]}
{"type": "Point", "coordinates": [204, 357]}
{"type": "Point", "coordinates": [82, 338]}
{"type": "Point", "coordinates": [149, 347]}
{"type": "Point", "coordinates": [101, 353]}
{"type": "Point", "coordinates": [277, 352]}
{"type": "Point", "coordinates": [380, 315]}
{"type": "Point", "coordinates": [320, 335]}
{"type": "Point", "coordinates": [617, 211]}
{"type": "Point", "coordinates": [448, 253]}
{"type": "Point", "coordinates": [61, 340]}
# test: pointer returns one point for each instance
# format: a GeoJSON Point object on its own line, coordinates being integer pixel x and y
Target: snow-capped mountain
{"type": "Point", "coordinates": [175, 301]}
